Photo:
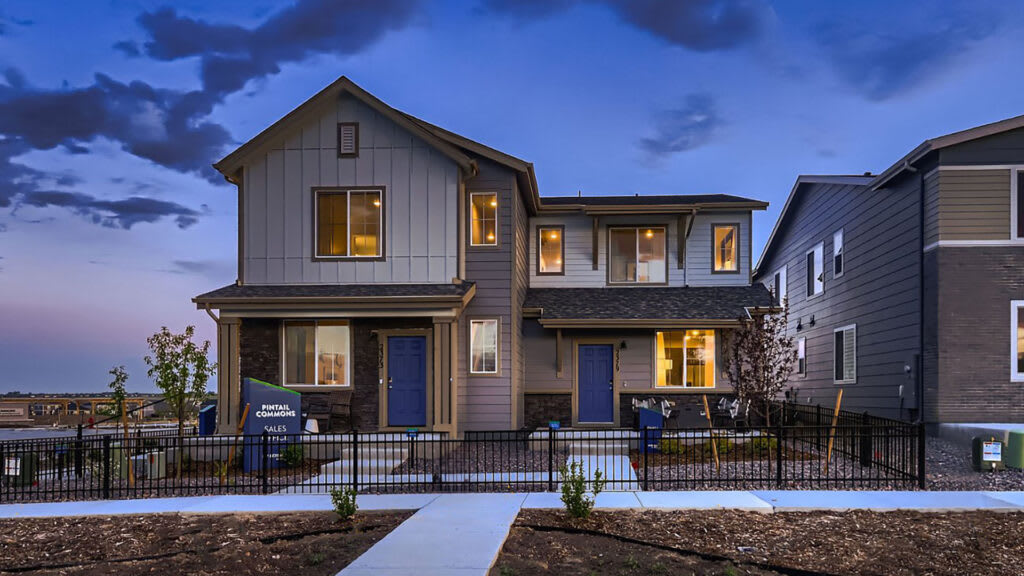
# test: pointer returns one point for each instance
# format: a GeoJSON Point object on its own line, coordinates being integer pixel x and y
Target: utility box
{"type": "Point", "coordinates": [654, 421]}
{"type": "Point", "coordinates": [1014, 456]}
{"type": "Point", "coordinates": [986, 454]}
{"type": "Point", "coordinates": [151, 465]}
{"type": "Point", "coordinates": [208, 420]}
{"type": "Point", "coordinates": [21, 469]}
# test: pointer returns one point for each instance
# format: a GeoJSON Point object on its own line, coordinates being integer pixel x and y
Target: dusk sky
{"type": "Point", "coordinates": [111, 113]}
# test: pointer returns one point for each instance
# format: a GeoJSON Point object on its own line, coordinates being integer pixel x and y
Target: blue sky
{"type": "Point", "coordinates": [111, 113]}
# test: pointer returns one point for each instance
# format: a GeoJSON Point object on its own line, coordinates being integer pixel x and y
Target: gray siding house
{"type": "Point", "coordinates": [418, 279]}
{"type": "Point", "coordinates": [904, 288]}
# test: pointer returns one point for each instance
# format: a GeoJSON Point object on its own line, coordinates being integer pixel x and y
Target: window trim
{"type": "Point", "coordinates": [469, 347]}
{"type": "Point", "coordinates": [541, 228]}
{"type": "Point", "coordinates": [348, 154]}
{"type": "Point", "coordinates": [822, 272]}
{"type": "Point", "coordinates": [834, 332]}
{"type": "Point", "coordinates": [782, 272]}
{"type": "Point", "coordinates": [497, 220]}
{"type": "Point", "coordinates": [801, 342]}
{"type": "Point", "coordinates": [608, 253]}
{"type": "Point", "coordinates": [654, 362]}
{"type": "Point", "coordinates": [347, 190]}
{"type": "Point", "coordinates": [736, 245]}
{"type": "Point", "coordinates": [842, 255]}
{"type": "Point", "coordinates": [1015, 307]}
{"type": "Point", "coordinates": [316, 368]}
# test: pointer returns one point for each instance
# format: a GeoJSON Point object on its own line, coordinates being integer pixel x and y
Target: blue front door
{"type": "Point", "coordinates": [595, 380]}
{"type": "Point", "coordinates": [407, 381]}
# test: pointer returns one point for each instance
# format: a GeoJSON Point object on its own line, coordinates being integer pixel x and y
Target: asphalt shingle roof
{"type": "Point", "coordinates": [642, 200]}
{"type": "Point", "coordinates": [285, 291]}
{"type": "Point", "coordinates": [640, 303]}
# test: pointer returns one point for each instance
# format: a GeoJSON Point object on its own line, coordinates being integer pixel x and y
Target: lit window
{"type": "Point", "coordinates": [636, 255]}
{"type": "Point", "coordinates": [484, 219]}
{"type": "Point", "coordinates": [551, 253]}
{"type": "Point", "coordinates": [815, 271]}
{"type": "Point", "coordinates": [726, 247]}
{"type": "Point", "coordinates": [685, 358]}
{"type": "Point", "coordinates": [483, 346]}
{"type": "Point", "coordinates": [845, 354]}
{"type": "Point", "coordinates": [801, 356]}
{"type": "Point", "coordinates": [1017, 341]}
{"type": "Point", "coordinates": [349, 223]}
{"type": "Point", "coordinates": [316, 353]}
{"type": "Point", "coordinates": [838, 264]}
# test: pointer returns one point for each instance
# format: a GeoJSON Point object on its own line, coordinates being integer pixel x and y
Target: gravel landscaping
{"type": "Point", "coordinates": [948, 467]}
{"type": "Point", "coordinates": [732, 543]}
{"type": "Point", "coordinates": [495, 457]}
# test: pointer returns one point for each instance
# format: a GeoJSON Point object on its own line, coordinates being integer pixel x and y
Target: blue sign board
{"type": "Point", "coordinates": [274, 410]}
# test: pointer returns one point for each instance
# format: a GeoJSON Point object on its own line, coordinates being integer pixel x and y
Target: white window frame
{"type": "Point", "coordinates": [843, 329]}
{"type": "Point", "coordinates": [801, 354]}
{"type": "Point", "coordinates": [469, 209]}
{"type": "Point", "coordinates": [636, 255]}
{"type": "Point", "coordinates": [348, 220]}
{"type": "Point", "coordinates": [1015, 307]}
{"type": "Point", "coordinates": [316, 363]}
{"type": "Point", "coordinates": [497, 347]}
{"type": "Point", "coordinates": [819, 278]}
{"type": "Point", "coordinates": [783, 284]}
{"type": "Point", "coordinates": [839, 236]}
{"type": "Point", "coordinates": [1014, 170]}
{"type": "Point", "coordinates": [683, 386]}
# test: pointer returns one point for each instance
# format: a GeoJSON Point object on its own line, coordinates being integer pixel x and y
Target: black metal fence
{"type": "Point", "coordinates": [801, 450]}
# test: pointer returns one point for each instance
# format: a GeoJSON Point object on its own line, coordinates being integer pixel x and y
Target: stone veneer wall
{"type": "Point", "coordinates": [542, 408]}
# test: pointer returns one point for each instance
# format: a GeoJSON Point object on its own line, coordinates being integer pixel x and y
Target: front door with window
{"type": "Point", "coordinates": [596, 384]}
{"type": "Point", "coordinates": [407, 381]}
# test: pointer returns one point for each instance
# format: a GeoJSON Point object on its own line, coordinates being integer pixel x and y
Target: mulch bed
{"type": "Point", "coordinates": [238, 544]}
{"type": "Point", "coordinates": [792, 543]}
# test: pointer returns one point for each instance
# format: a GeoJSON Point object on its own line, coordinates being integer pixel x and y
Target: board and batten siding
{"type": "Point", "coordinates": [967, 205]}
{"type": "Point", "coordinates": [878, 291]}
{"type": "Point", "coordinates": [578, 239]}
{"type": "Point", "coordinates": [485, 401]}
{"type": "Point", "coordinates": [421, 203]}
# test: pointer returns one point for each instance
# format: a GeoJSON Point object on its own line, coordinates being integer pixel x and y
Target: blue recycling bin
{"type": "Point", "coordinates": [654, 422]}
{"type": "Point", "coordinates": [208, 420]}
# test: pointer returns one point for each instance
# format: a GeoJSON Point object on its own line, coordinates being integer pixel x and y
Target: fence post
{"type": "Point", "coordinates": [921, 480]}
{"type": "Point", "coordinates": [779, 445]}
{"type": "Point", "coordinates": [866, 441]}
{"type": "Point", "coordinates": [106, 466]}
{"type": "Point", "coordinates": [78, 453]}
{"type": "Point", "coordinates": [355, 460]}
{"type": "Point", "coordinates": [551, 459]}
{"type": "Point", "coordinates": [643, 455]}
{"type": "Point", "coordinates": [265, 461]}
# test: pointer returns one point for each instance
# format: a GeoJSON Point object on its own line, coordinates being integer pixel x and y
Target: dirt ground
{"type": "Point", "coordinates": [791, 543]}
{"type": "Point", "coordinates": [308, 543]}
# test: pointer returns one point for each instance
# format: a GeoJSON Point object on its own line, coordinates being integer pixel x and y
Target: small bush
{"type": "Point", "coordinates": [344, 501]}
{"type": "Point", "coordinates": [574, 489]}
{"type": "Point", "coordinates": [763, 446]}
{"type": "Point", "coordinates": [724, 445]}
{"type": "Point", "coordinates": [220, 470]}
{"type": "Point", "coordinates": [292, 455]}
{"type": "Point", "coordinates": [670, 446]}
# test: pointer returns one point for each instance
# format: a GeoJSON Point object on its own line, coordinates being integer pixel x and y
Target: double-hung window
{"type": "Point", "coordinates": [815, 270]}
{"type": "Point", "coordinates": [685, 359]}
{"type": "Point", "coordinates": [483, 346]}
{"type": "Point", "coordinates": [838, 260]}
{"type": "Point", "coordinates": [349, 222]}
{"type": "Point", "coordinates": [1017, 341]}
{"type": "Point", "coordinates": [316, 353]}
{"type": "Point", "coordinates": [845, 354]}
{"type": "Point", "coordinates": [801, 356]}
{"type": "Point", "coordinates": [726, 247]}
{"type": "Point", "coordinates": [777, 286]}
{"type": "Point", "coordinates": [483, 216]}
{"type": "Point", "coordinates": [637, 255]}
{"type": "Point", "coordinates": [550, 250]}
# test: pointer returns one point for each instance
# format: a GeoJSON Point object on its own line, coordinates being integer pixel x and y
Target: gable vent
{"type": "Point", "coordinates": [348, 139]}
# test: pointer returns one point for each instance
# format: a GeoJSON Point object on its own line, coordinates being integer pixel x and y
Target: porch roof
{"type": "Point", "coordinates": [378, 294]}
{"type": "Point", "coordinates": [645, 307]}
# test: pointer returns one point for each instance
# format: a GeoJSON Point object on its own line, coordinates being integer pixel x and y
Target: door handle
{"type": "Point", "coordinates": [611, 384]}
{"type": "Point", "coordinates": [389, 383]}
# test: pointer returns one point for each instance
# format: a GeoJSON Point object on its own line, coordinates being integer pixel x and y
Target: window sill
{"type": "Point", "coordinates": [685, 388]}
{"type": "Point", "coordinates": [312, 387]}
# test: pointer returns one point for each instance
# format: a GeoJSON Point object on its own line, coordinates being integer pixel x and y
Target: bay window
{"type": "Point", "coordinates": [317, 353]}
{"type": "Point", "coordinates": [637, 255]}
{"type": "Point", "coordinates": [349, 222]}
{"type": "Point", "coordinates": [483, 346]}
{"type": "Point", "coordinates": [685, 359]}
{"type": "Point", "coordinates": [550, 250]}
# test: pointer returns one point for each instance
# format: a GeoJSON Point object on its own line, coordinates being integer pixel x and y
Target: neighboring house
{"type": "Point", "coordinates": [904, 289]}
{"type": "Point", "coordinates": [418, 276]}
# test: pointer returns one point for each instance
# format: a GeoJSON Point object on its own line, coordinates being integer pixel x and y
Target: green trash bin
{"type": "Point", "coordinates": [21, 469]}
{"type": "Point", "coordinates": [1013, 457]}
{"type": "Point", "coordinates": [986, 454]}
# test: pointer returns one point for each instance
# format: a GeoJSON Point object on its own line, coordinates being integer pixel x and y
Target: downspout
{"type": "Point", "coordinates": [919, 381]}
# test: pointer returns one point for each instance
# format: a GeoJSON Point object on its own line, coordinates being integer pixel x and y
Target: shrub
{"type": "Point", "coordinates": [763, 446]}
{"type": "Point", "coordinates": [724, 446]}
{"type": "Point", "coordinates": [344, 501]}
{"type": "Point", "coordinates": [220, 470]}
{"type": "Point", "coordinates": [670, 446]}
{"type": "Point", "coordinates": [292, 455]}
{"type": "Point", "coordinates": [574, 489]}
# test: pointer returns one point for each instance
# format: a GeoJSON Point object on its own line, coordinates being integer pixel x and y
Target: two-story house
{"type": "Point", "coordinates": [422, 275]}
{"type": "Point", "coordinates": [905, 288]}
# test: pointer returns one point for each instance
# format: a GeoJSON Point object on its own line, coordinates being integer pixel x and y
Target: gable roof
{"type": "Point", "coordinates": [800, 182]}
{"type": "Point", "coordinates": [946, 141]}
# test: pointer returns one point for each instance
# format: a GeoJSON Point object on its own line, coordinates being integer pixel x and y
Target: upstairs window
{"type": "Point", "coordinates": [483, 219]}
{"type": "Point", "coordinates": [551, 250]}
{"type": "Point", "coordinates": [685, 359]}
{"type": "Point", "coordinates": [726, 247]}
{"type": "Point", "coordinates": [637, 255]}
{"type": "Point", "coordinates": [349, 223]}
{"type": "Point", "coordinates": [838, 261]}
{"type": "Point", "coordinates": [815, 270]}
{"type": "Point", "coordinates": [801, 356]}
{"type": "Point", "coordinates": [845, 354]}
{"type": "Point", "coordinates": [777, 286]}
{"type": "Point", "coordinates": [316, 353]}
{"type": "Point", "coordinates": [348, 139]}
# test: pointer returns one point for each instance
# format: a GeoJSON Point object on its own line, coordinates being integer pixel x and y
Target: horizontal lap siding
{"type": "Point", "coordinates": [974, 205]}
{"type": "Point", "coordinates": [420, 203]}
{"type": "Point", "coordinates": [879, 291]}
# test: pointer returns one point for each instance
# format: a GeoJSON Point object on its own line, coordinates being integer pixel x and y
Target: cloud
{"type": "Point", "coordinates": [122, 213]}
{"type": "Point", "coordinates": [701, 25]}
{"type": "Point", "coordinates": [128, 48]}
{"type": "Point", "coordinates": [680, 129]}
{"type": "Point", "coordinates": [232, 55]}
{"type": "Point", "coordinates": [218, 269]}
{"type": "Point", "coordinates": [883, 63]}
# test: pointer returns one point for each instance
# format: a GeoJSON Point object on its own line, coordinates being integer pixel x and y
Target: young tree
{"type": "Point", "coordinates": [118, 393]}
{"type": "Point", "coordinates": [180, 369]}
{"type": "Point", "coordinates": [760, 357]}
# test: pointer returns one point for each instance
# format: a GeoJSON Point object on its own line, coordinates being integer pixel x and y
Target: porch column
{"type": "Point", "coordinates": [443, 402]}
{"type": "Point", "coordinates": [229, 390]}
